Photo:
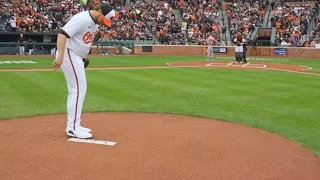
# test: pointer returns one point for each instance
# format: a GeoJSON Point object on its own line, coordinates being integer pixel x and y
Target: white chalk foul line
{"type": "Point", "coordinates": [299, 72]}
{"type": "Point", "coordinates": [307, 67]}
{"type": "Point", "coordinates": [230, 64]}
{"type": "Point", "coordinates": [155, 67]}
{"type": "Point", "coordinates": [244, 64]}
{"type": "Point", "coordinates": [92, 141]}
{"type": "Point", "coordinates": [216, 64]}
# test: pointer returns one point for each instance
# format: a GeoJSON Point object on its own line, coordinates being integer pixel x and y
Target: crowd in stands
{"type": "Point", "coordinates": [37, 15]}
{"type": "Point", "coordinates": [184, 22]}
{"type": "Point", "coordinates": [200, 18]}
{"type": "Point", "coordinates": [314, 38]}
{"type": "Point", "coordinates": [292, 22]}
{"type": "Point", "coordinates": [245, 16]}
{"type": "Point", "coordinates": [165, 24]}
{"type": "Point", "coordinates": [174, 22]}
{"type": "Point", "coordinates": [41, 15]}
{"type": "Point", "coordinates": [130, 25]}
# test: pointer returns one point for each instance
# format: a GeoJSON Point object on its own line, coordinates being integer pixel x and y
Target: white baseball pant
{"type": "Point", "coordinates": [74, 73]}
{"type": "Point", "coordinates": [210, 52]}
{"type": "Point", "coordinates": [21, 50]}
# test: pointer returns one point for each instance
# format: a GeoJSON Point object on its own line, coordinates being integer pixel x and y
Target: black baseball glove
{"type": "Point", "coordinates": [85, 62]}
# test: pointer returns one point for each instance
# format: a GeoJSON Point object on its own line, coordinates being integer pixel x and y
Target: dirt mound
{"type": "Point", "coordinates": [149, 146]}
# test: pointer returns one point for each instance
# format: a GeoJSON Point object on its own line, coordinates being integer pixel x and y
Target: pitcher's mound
{"type": "Point", "coordinates": [149, 146]}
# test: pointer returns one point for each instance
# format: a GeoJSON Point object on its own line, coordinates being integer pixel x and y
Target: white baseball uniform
{"type": "Point", "coordinates": [210, 42]}
{"type": "Point", "coordinates": [239, 48]}
{"type": "Point", "coordinates": [80, 30]}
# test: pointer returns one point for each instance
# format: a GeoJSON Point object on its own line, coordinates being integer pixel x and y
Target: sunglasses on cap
{"type": "Point", "coordinates": [109, 13]}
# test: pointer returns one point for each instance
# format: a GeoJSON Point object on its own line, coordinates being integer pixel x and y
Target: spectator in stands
{"type": "Point", "coordinates": [48, 16]}
{"type": "Point", "coordinates": [200, 18]}
{"type": "Point", "coordinates": [13, 24]}
{"type": "Point", "coordinates": [41, 15]}
{"type": "Point", "coordinates": [130, 25]}
{"type": "Point", "coordinates": [292, 22]}
{"type": "Point", "coordinates": [245, 17]}
{"type": "Point", "coordinates": [164, 23]}
{"type": "Point", "coordinates": [317, 45]}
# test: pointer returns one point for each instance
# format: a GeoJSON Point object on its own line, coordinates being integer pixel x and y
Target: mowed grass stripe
{"type": "Point", "coordinates": [210, 80]}
{"type": "Point", "coordinates": [112, 88]}
{"type": "Point", "coordinates": [21, 97]}
{"type": "Point", "coordinates": [51, 86]}
{"type": "Point", "coordinates": [11, 101]}
{"type": "Point", "coordinates": [48, 82]}
{"type": "Point", "coordinates": [156, 78]}
{"type": "Point", "coordinates": [236, 91]}
{"type": "Point", "coordinates": [139, 85]}
{"type": "Point", "coordinates": [194, 96]}
{"type": "Point", "coordinates": [140, 95]}
{"type": "Point", "coordinates": [161, 95]}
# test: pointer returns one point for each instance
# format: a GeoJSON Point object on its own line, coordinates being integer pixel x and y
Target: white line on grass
{"type": "Point", "coordinates": [299, 72]}
{"type": "Point", "coordinates": [154, 67]}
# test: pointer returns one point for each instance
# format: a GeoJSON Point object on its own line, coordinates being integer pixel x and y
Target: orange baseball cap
{"type": "Point", "coordinates": [108, 13]}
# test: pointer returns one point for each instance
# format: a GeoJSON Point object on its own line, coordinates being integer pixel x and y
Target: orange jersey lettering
{"type": "Point", "coordinates": [88, 37]}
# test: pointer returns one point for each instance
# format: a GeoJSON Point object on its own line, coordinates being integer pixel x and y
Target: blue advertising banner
{"type": "Point", "coordinates": [280, 51]}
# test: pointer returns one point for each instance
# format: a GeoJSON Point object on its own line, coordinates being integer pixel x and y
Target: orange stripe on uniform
{"type": "Point", "coordinates": [75, 74]}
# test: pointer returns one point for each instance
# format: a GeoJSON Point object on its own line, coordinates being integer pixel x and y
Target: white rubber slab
{"type": "Point", "coordinates": [92, 141]}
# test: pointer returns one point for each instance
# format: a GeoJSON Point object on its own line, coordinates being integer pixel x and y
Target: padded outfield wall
{"type": "Point", "coordinates": [290, 52]}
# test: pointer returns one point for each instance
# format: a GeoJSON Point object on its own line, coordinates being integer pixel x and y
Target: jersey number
{"type": "Point", "coordinates": [88, 37]}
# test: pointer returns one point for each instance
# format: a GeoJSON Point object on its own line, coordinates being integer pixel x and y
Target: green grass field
{"type": "Point", "coordinates": [280, 102]}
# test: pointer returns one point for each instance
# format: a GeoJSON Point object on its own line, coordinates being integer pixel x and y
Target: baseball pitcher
{"type": "Point", "coordinates": [73, 46]}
